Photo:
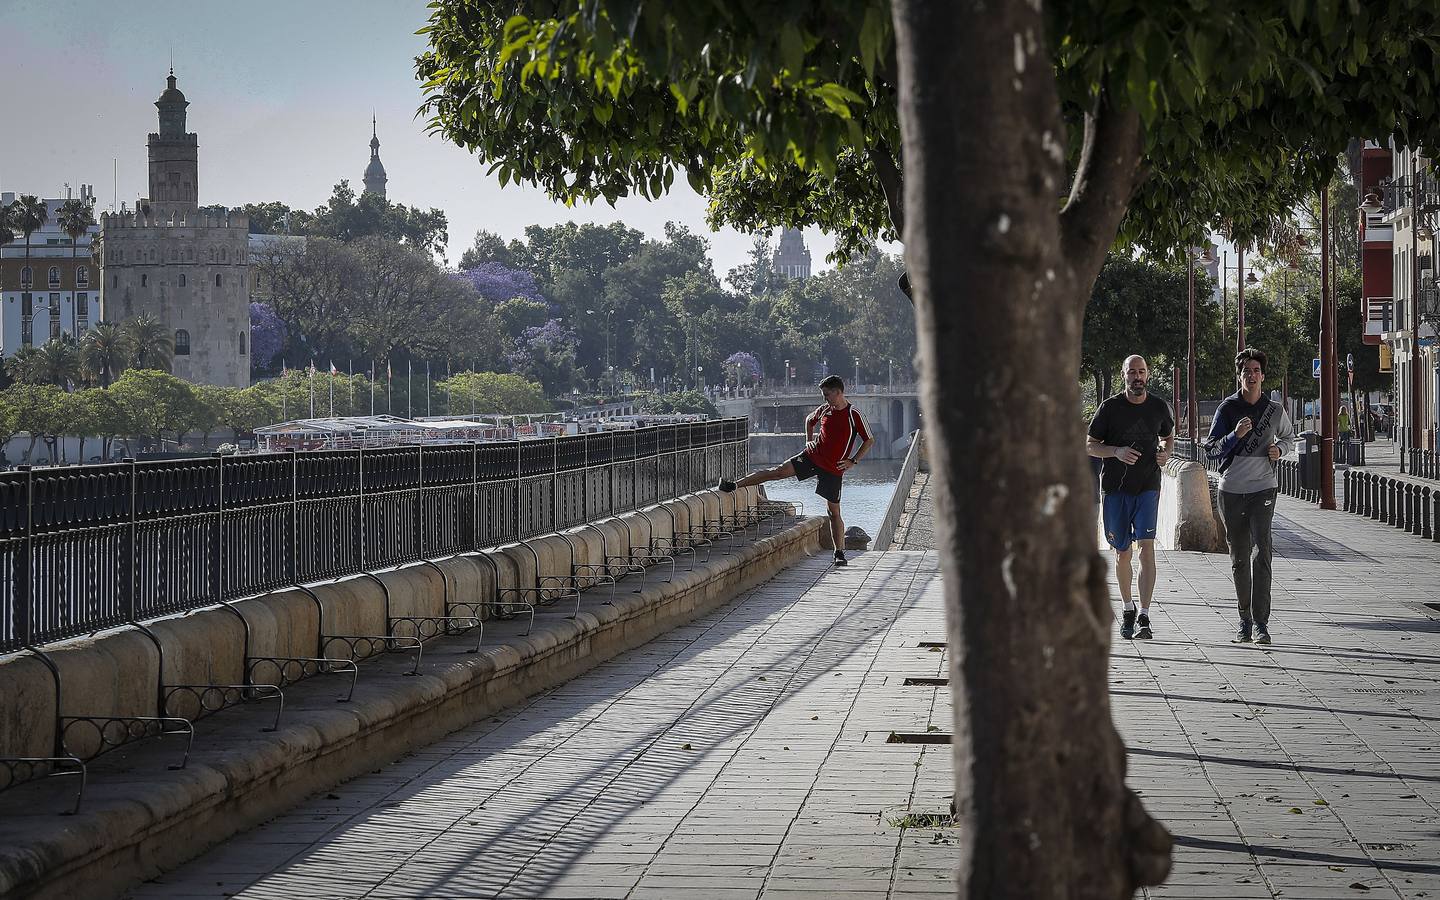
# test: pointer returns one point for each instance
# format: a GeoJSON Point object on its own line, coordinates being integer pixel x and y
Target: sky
{"type": "Point", "coordinates": [281, 95]}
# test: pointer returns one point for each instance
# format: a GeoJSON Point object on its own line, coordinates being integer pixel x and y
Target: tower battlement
{"type": "Point", "coordinates": [233, 221]}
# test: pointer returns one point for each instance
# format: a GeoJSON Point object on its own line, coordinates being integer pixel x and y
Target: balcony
{"type": "Point", "coordinates": [1430, 302]}
{"type": "Point", "coordinates": [1397, 193]}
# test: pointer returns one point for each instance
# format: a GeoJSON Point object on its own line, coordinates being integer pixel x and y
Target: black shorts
{"type": "Point", "coordinates": [827, 484]}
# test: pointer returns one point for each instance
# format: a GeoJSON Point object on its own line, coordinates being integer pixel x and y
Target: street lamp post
{"type": "Point", "coordinates": [857, 373]}
{"type": "Point", "coordinates": [1192, 419]}
{"type": "Point", "coordinates": [1329, 381]}
{"type": "Point", "coordinates": [787, 373]}
{"type": "Point", "coordinates": [1239, 299]}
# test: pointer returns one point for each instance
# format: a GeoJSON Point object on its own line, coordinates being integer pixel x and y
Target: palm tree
{"type": "Point", "coordinates": [104, 351]}
{"type": "Point", "coordinates": [24, 366]}
{"type": "Point", "coordinates": [7, 234]}
{"type": "Point", "coordinates": [58, 363]}
{"type": "Point", "coordinates": [29, 214]}
{"type": "Point", "coordinates": [75, 217]}
{"type": "Point", "coordinates": [147, 343]}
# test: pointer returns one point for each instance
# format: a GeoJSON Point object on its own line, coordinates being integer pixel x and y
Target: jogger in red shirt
{"type": "Point", "coordinates": [842, 440]}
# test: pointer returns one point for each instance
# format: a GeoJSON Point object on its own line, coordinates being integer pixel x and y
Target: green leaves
{"type": "Point", "coordinates": [601, 100]}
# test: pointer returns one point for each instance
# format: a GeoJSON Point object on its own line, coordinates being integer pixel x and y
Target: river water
{"type": "Point", "coordinates": [863, 500]}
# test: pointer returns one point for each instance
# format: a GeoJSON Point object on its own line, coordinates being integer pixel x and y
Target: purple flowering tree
{"type": "Point", "coordinates": [749, 366]}
{"type": "Point", "coordinates": [267, 336]}
{"type": "Point", "coordinates": [546, 353]}
{"type": "Point", "coordinates": [498, 283]}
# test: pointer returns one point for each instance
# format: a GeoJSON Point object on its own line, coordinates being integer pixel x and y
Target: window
{"type": "Point", "coordinates": [217, 279]}
{"type": "Point", "coordinates": [182, 279]}
{"type": "Point", "coordinates": [144, 280]}
{"type": "Point", "coordinates": [54, 324]}
{"type": "Point", "coordinates": [182, 342]}
{"type": "Point", "coordinates": [25, 305]}
{"type": "Point", "coordinates": [115, 281]}
{"type": "Point", "coordinates": [82, 305]}
{"type": "Point", "coordinates": [82, 276]}
{"type": "Point", "coordinates": [242, 343]}
{"type": "Point", "coordinates": [26, 277]}
{"type": "Point", "coordinates": [54, 274]}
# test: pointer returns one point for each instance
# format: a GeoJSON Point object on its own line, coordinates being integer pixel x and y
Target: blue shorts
{"type": "Point", "coordinates": [1130, 517]}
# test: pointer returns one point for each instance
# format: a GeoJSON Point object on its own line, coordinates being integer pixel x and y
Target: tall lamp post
{"type": "Point", "coordinates": [1329, 377]}
{"type": "Point", "coordinates": [1240, 298]}
{"type": "Point", "coordinates": [1192, 417]}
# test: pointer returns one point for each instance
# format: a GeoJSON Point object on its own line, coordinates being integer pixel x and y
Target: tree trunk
{"type": "Point", "coordinates": [1100, 394]}
{"type": "Point", "coordinates": [1040, 768]}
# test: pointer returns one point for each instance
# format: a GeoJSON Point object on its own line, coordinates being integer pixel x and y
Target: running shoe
{"type": "Point", "coordinates": [1127, 625]}
{"type": "Point", "coordinates": [1144, 633]}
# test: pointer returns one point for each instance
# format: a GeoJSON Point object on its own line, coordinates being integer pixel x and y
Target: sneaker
{"type": "Point", "coordinates": [725, 486]}
{"type": "Point", "coordinates": [840, 559]}
{"type": "Point", "coordinates": [1144, 634]}
{"type": "Point", "coordinates": [1243, 635]}
{"type": "Point", "coordinates": [1262, 635]}
{"type": "Point", "coordinates": [1127, 625]}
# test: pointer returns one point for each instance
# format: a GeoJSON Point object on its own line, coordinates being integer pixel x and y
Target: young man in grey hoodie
{"type": "Point", "coordinates": [1249, 433]}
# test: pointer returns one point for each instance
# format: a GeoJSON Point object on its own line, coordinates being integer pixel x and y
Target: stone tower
{"type": "Point", "coordinates": [174, 157]}
{"type": "Point", "coordinates": [792, 257]}
{"type": "Point", "coordinates": [375, 172]}
{"type": "Point", "coordinates": [185, 268]}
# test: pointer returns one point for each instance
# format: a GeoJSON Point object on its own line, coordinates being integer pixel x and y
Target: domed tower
{"type": "Point", "coordinates": [375, 172]}
{"type": "Point", "coordinates": [792, 257]}
{"type": "Point", "coordinates": [174, 155]}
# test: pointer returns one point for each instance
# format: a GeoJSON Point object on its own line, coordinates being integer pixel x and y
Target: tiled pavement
{"type": "Point", "coordinates": [744, 756]}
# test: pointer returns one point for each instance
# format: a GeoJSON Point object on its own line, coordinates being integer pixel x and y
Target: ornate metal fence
{"type": "Point", "coordinates": [89, 547]}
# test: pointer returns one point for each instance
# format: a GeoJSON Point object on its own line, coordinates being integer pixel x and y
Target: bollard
{"type": "Point", "coordinates": [1426, 523]}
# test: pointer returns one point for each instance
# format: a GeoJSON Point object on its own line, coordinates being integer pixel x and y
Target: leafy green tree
{"type": "Point", "coordinates": [207, 410]}
{"type": "Point", "coordinates": [678, 402]}
{"type": "Point", "coordinates": [251, 407]}
{"type": "Point", "coordinates": [1076, 123]}
{"type": "Point", "coordinates": [488, 247]}
{"type": "Point", "coordinates": [347, 218]}
{"type": "Point", "coordinates": [37, 413]}
{"type": "Point", "coordinates": [8, 426]}
{"type": "Point", "coordinates": [153, 403]}
{"type": "Point", "coordinates": [881, 330]}
{"type": "Point", "coordinates": [86, 414]}
{"type": "Point", "coordinates": [1136, 306]}
{"type": "Point", "coordinates": [489, 392]}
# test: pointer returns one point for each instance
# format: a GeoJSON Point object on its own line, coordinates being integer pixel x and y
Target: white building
{"type": "Point", "coordinates": [57, 292]}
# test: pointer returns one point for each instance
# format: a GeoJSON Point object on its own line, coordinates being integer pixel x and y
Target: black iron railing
{"type": "Point", "coordinates": [1411, 507]}
{"type": "Point", "coordinates": [89, 547]}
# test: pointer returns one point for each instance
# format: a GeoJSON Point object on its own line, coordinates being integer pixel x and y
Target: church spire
{"type": "Point", "coordinates": [375, 177]}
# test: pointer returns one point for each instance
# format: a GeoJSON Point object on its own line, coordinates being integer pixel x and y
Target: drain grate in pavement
{"type": "Point", "coordinates": [932, 645]}
{"type": "Point", "coordinates": [918, 737]}
{"type": "Point", "coordinates": [1386, 691]}
{"type": "Point", "coordinates": [1388, 847]}
{"type": "Point", "coordinates": [926, 682]}
{"type": "Point", "coordinates": [922, 820]}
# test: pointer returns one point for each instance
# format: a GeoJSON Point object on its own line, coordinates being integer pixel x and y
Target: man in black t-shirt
{"type": "Point", "coordinates": [1126, 433]}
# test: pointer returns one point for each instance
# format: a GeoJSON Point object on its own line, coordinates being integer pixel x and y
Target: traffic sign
{"type": "Point", "coordinates": [1315, 367]}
